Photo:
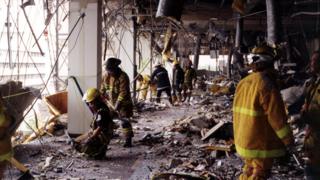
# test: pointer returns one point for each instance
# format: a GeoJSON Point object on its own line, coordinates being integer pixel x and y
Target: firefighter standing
{"type": "Point", "coordinates": [177, 82]}
{"type": "Point", "coordinates": [190, 76]}
{"type": "Point", "coordinates": [115, 88]}
{"type": "Point", "coordinates": [260, 128]}
{"type": "Point", "coordinates": [311, 116]}
{"type": "Point", "coordinates": [95, 143]}
{"type": "Point", "coordinates": [161, 77]}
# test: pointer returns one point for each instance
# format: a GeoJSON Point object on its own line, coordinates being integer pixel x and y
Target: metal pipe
{"type": "Point", "coordinates": [56, 82]}
{"type": "Point", "coordinates": [273, 22]}
{"type": "Point", "coordinates": [305, 2]}
{"type": "Point", "coordinates": [151, 55]}
{"type": "Point", "coordinates": [239, 31]}
{"type": "Point", "coordinates": [33, 34]}
{"type": "Point", "coordinates": [305, 13]}
{"type": "Point", "coordinates": [8, 35]}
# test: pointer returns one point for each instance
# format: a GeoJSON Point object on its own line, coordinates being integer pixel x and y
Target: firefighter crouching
{"type": "Point", "coordinates": [261, 132]}
{"type": "Point", "coordinates": [95, 142]}
{"type": "Point", "coordinates": [311, 116]}
{"type": "Point", "coordinates": [144, 83]}
{"type": "Point", "coordinates": [115, 89]}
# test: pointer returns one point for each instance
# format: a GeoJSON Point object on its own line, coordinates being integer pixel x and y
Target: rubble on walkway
{"type": "Point", "coordinates": [193, 140]}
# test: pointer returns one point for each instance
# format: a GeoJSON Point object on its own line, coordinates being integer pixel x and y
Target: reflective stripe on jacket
{"type": "Point", "coordinates": [260, 128]}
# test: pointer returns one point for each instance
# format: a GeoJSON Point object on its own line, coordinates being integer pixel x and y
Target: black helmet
{"type": "Point", "coordinates": [112, 63]}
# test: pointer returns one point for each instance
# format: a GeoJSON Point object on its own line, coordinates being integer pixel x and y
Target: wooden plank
{"type": "Point", "coordinates": [219, 147]}
{"type": "Point", "coordinates": [212, 130]}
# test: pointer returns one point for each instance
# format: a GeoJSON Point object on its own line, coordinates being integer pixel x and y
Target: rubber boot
{"type": "Point", "coordinates": [26, 176]}
{"type": "Point", "coordinates": [128, 142]}
{"type": "Point", "coordinates": [174, 98]}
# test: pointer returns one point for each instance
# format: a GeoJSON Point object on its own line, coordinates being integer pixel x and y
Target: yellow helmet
{"type": "Point", "coordinates": [263, 49]}
{"type": "Point", "coordinates": [262, 54]}
{"type": "Point", "coordinates": [175, 62]}
{"type": "Point", "coordinates": [90, 95]}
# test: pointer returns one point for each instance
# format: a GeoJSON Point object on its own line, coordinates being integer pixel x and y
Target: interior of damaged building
{"type": "Point", "coordinates": [160, 89]}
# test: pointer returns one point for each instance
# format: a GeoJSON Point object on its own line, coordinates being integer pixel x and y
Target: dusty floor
{"type": "Point", "coordinates": [121, 163]}
{"type": "Point", "coordinates": [163, 150]}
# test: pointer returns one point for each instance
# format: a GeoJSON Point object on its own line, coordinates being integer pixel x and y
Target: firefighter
{"type": "Point", "coordinates": [95, 142]}
{"type": "Point", "coordinates": [261, 132]}
{"type": "Point", "coordinates": [161, 77]}
{"type": "Point", "coordinates": [177, 82]}
{"type": "Point", "coordinates": [190, 77]}
{"type": "Point", "coordinates": [310, 115]}
{"type": "Point", "coordinates": [115, 88]}
{"type": "Point", "coordinates": [144, 83]}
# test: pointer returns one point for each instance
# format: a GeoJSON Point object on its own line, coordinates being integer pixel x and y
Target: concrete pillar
{"type": "Point", "coordinates": [84, 62]}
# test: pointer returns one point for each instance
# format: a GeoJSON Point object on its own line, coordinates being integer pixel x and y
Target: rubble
{"type": "Point", "coordinates": [199, 145]}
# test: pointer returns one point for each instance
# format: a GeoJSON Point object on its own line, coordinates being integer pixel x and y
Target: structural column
{"type": "Point", "coordinates": [84, 62]}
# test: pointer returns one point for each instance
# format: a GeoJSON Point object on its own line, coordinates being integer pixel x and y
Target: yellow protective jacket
{"type": "Point", "coordinates": [144, 83]}
{"type": "Point", "coordinates": [144, 86]}
{"type": "Point", "coordinates": [5, 139]}
{"type": "Point", "coordinates": [312, 112]}
{"type": "Point", "coordinates": [117, 88]}
{"type": "Point", "coordinates": [189, 75]}
{"type": "Point", "coordinates": [260, 127]}
{"type": "Point", "coordinates": [311, 116]}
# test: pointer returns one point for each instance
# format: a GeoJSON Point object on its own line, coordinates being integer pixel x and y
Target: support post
{"type": "Point", "coordinates": [151, 56]}
{"type": "Point", "coordinates": [151, 51]}
{"type": "Point", "coordinates": [197, 52]}
{"type": "Point", "coordinates": [84, 62]}
{"type": "Point", "coordinates": [134, 22]}
{"type": "Point", "coordinates": [239, 31]}
{"type": "Point", "coordinates": [273, 22]}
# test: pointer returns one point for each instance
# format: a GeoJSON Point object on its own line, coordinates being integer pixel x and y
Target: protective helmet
{"type": "Point", "coordinates": [175, 62]}
{"type": "Point", "coordinates": [159, 63]}
{"type": "Point", "coordinates": [263, 53]}
{"type": "Point", "coordinates": [90, 95]}
{"type": "Point", "coordinates": [112, 63]}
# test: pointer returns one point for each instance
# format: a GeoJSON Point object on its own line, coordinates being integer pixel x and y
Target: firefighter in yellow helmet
{"type": "Point", "coordinates": [95, 142]}
{"type": "Point", "coordinates": [144, 83]}
{"type": "Point", "coordinates": [311, 116]}
{"type": "Point", "coordinates": [115, 88]}
{"type": "Point", "coordinates": [261, 132]}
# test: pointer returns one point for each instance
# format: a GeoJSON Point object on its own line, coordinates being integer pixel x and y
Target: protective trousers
{"type": "Point", "coordinates": [311, 147]}
{"type": "Point", "coordinates": [256, 169]}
